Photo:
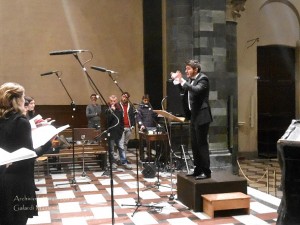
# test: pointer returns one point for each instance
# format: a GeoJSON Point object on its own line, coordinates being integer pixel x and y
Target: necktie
{"type": "Point", "coordinates": [189, 102]}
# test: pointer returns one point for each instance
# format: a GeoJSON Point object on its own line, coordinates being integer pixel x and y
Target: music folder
{"type": "Point", "coordinates": [169, 116]}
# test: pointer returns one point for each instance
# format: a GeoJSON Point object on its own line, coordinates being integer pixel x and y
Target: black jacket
{"type": "Point", "coordinates": [198, 96]}
{"type": "Point", "coordinates": [146, 116]}
{"type": "Point", "coordinates": [18, 178]}
{"type": "Point", "coordinates": [115, 123]}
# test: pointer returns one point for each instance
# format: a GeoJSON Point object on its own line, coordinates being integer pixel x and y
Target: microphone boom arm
{"type": "Point", "coordinates": [60, 80]}
{"type": "Point", "coordinates": [134, 109]}
{"type": "Point", "coordinates": [92, 83]}
{"type": "Point", "coordinates": [94, 87]}
{"type": "Point", "coordinates": [110, 72]}
{"type": "Point", "coordinates": [116, 83]}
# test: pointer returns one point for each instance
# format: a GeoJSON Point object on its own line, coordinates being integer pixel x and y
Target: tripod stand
{"type": "Point", "coordinates": [94, 87]}
{"type": "Point", "coordinates": [138, 203]}
{"type": "Point", "coordinates": [84, 135]}
{"type": "Point", "coordinates": [170, 117]}
{"type": "Point", "coordinates": [72, 181]}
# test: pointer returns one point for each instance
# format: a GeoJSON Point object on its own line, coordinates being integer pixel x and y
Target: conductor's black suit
{"type": "Point", "coordinates": [195, 99]}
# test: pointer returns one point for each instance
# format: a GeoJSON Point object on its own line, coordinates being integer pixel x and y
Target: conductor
{"type": "Point", "coordinates": [195, 92]}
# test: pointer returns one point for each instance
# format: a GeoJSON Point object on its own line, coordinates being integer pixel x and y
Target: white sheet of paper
{"type": "Point", "coordinates": [40, 135]}
{"type": "Point", "coordinates": [18, 155]}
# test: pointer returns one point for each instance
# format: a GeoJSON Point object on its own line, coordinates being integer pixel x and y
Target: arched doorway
{"type": "Point", "coordinates": [275, 95]}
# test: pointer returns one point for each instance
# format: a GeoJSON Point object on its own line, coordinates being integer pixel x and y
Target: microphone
{"type": "Point", "coordinates": [102, 69]}
{"type": "Point", "coordinates": [49, 73]}
{"type": "Point", "coordinates": [66, 52]}
{"type": "Point", "coordinates": [98, 68]}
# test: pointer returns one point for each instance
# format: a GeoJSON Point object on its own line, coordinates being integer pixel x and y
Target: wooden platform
{"type": "Point", "coordinates": [225, 201]}
{"type": "Point", "coordinates": [189, 190]}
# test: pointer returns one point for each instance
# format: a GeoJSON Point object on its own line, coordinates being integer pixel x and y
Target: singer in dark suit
{"type": "Point", "coordinates": [195, 92]}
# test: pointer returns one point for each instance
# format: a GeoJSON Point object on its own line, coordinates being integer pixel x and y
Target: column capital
{"type": "Point", "coordinates": [234, 9]}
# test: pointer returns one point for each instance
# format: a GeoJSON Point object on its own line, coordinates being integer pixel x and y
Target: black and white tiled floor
{"type": "Point", "coordinates": [88, 202]}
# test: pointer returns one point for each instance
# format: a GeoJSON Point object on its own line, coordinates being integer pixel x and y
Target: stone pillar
{"type": "Point", "coordinates": [233, 9]}
{"type": "Point", "coordinates": [199, 29]}
{"type": "Point", "coordinates": [210, 48]}
{"type": "Point", "coordinates": [179, 34]}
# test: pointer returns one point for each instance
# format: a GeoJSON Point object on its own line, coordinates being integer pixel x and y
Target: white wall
{"type": "Point", "coordinates": [111, 30]}
{"type": "Point", "coordinates": [273, 22]}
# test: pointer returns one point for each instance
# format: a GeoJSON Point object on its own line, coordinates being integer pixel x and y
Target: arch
{"type": "Point", "coordinates": [287, 3]}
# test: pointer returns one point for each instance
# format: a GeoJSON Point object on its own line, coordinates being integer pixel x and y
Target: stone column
{"type": "Point", "coordinates": [199, 29]}
{"type": "Point", "coordinates": [210, 48]}
{"type": "Point", "coordinates": [233, 9]}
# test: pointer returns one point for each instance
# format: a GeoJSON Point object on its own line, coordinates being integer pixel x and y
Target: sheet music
{"type": "Point", "coordinates": [18, 155]}
{"type": "Point", "coordinates": [41, 135]}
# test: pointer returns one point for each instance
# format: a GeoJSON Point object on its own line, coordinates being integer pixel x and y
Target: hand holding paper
{"type": "Point", "coordinates": [41, 135]}
{"type": "Point", "coordinates": [176, 77]}
{"type": "Point", "coordinates": [38, 121]}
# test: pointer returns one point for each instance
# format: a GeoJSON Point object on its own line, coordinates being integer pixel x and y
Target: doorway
{"type": "Point", "coordinates": [275, 95]}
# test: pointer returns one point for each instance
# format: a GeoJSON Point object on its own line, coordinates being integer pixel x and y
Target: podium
{"type": "Point", "coordinates": [289, 160]}
{"type": "Point", "coordinates": [288, 152]}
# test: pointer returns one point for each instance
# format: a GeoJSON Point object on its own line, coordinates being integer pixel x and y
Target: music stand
{"type": "Point", "coordinates": [84, 135]}
{"type": "Point", "coordinates": [170, 117]}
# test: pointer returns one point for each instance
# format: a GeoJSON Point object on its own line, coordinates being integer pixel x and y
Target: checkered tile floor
{"type": "Point", "coordinates": [262, 174]}
{"type": "Point", "coordinates": [88, 200]}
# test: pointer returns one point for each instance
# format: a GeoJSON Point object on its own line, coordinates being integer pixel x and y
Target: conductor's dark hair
{"type": "Point", "coordinates": [195, 64]}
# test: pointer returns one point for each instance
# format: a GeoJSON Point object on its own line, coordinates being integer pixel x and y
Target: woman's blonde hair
{"type": "Point", "coordinates": [10, 95]}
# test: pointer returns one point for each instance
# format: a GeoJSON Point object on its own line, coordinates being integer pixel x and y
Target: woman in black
{"type": "Point", "coordinates": [17, 195]}
{"type": "Point", "coordinates": [30, 105]}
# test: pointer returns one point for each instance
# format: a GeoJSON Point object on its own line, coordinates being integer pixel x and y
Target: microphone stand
{"type": "Point", "coordinates": [116, 82]}
{"type": "Point", "coordinates": [133, 105]}
{"type": "Point", "coordinates": [138, 203]}
{"type": "Point", "coordinates": [95, 88]}
{"type": "Point", "coordinates": [172, 196]}
{"type": "Point", "coordinates": [73, 107]}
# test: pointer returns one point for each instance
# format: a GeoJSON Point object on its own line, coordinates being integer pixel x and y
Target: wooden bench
{"type": "Point", "coordinates": [225, 201]}
{"type": "Point", "coordinates": [65, 155]}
